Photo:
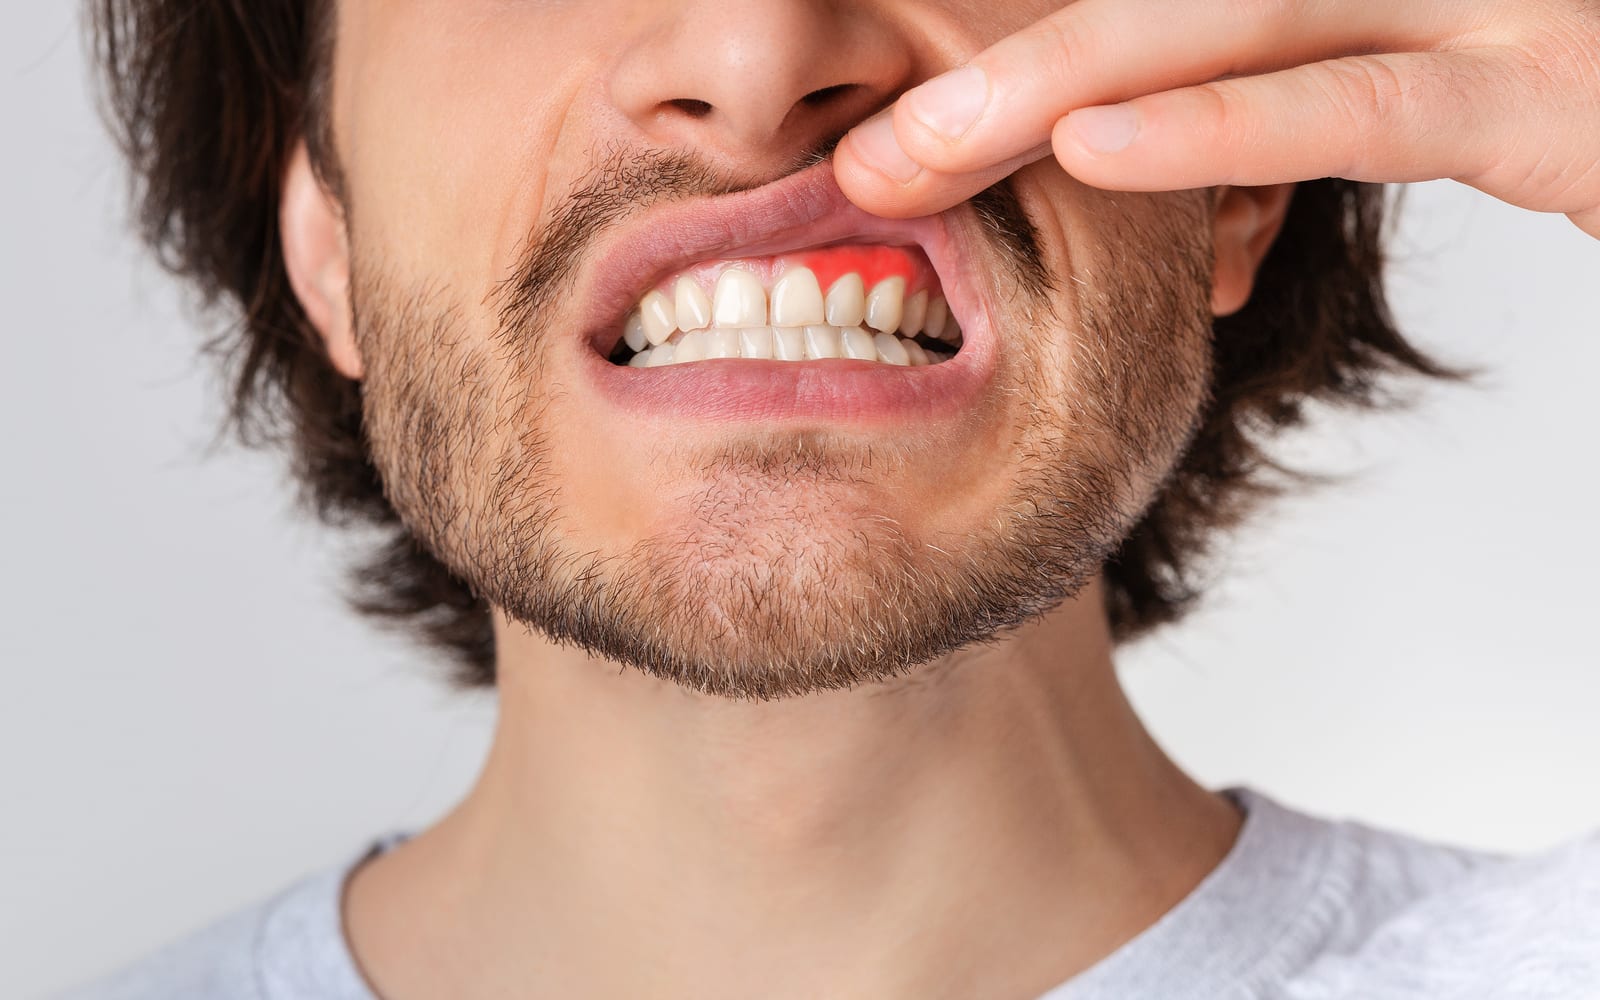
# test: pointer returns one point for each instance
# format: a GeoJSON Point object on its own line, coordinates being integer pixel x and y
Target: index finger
{"type": "Point", "coordinates": [947, 139]}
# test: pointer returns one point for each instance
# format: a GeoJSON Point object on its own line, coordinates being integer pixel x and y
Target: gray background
{"type": "Point", "coordinates": [190, 719]}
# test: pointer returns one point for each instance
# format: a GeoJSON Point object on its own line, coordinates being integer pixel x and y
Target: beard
{"type": "Point", "coordinates": [791, 565]}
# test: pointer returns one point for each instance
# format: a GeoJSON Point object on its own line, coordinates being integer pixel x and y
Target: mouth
{"type": "Point", "coordinates": [882, 303]}
{"type": "Point", "coordinates": [786, 300]}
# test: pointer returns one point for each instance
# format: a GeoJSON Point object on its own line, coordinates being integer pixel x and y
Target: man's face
{"type": "Point", "coordinates": [521, 176]}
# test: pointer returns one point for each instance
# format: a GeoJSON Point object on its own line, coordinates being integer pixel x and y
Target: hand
{"type": "Point", "coordinates": [1149, 95]}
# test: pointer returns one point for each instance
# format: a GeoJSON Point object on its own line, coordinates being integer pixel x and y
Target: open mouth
{"type": "Point", "coordinates": [867, 302]}
{"type": "Point", "coordinates": [788, 303]}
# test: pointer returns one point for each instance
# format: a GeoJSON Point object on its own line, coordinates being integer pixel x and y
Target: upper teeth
{"type": "Point", "coordinates": [795, 322]}
{"type": "Point", "coordinates": [796, 298]}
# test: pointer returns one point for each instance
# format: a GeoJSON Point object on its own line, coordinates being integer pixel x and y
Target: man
{"type": "Point", "coordinates": [792, 467]}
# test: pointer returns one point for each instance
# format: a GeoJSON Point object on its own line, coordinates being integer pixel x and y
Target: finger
{"type": "Point", "coordinates": [1588, 221]}
{"type": "Point", "coordinates": [1404, 117]}
{"type": "Point", "coordinates": [1099, 51]}
{"type": "Point", "coordinates": [889, 198]}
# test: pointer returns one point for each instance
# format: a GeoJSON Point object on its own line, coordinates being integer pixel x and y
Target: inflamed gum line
{"type": "Point", "coordinates": [869, 303]}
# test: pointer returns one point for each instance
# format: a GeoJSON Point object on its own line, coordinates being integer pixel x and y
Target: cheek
{"type": "Point", "coordinates": [452, 126]}
{"type": "Point", "coordinates": [1133, 287]}
{"type": "Point", "coordinates": [988, 22]}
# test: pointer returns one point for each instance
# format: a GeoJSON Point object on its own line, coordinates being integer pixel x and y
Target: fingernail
{"type": "Point", "coordinates": [875, 143]}
{"type": "Point", "coordinates": [1107, 129]}
{"type": "Point", "coordinates": [950, 103]}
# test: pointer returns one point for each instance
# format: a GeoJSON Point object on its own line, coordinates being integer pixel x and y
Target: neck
{"type": "Point", "coordinates": [990, 826]}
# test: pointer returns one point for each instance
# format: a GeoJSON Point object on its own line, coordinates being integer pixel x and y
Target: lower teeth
{"type": "Point", "coordinates": [808, 343]}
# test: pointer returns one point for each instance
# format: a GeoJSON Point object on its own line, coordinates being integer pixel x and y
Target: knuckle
{"type": "Point", "coordinates": [1366, 90]}
{"type": "Point", "coordinates": [1561, 183]}
{"type": "Point", "coordinates": [1225, 107]}
{"type": "Point", "coordinates": [1573, 52]}
{"type": "Point", "coordinates": [1588, 220]}
{"type": "Point", "coordinates": [1063, 38]}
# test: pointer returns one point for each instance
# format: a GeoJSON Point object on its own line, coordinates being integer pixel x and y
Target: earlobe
{"type": "Point", "coordinates": [316, 254]}
{"type": "Point", "coordinates": [1247, 220]}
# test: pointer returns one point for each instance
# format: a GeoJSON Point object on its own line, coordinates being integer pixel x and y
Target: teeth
{"type": "Point", "coordinates": [916, 312]}
{"type": "Point", "coordinates": [733, 321]}
{"type": "Point", "coordinates": [847, 302]}
{"type": "Point", "coordinates": [740, 300]}
{"type": "Point", "coordinates": [952, 332]}
{"type": "Point", "coordinates": [789, 344]}
{"type": "Point", "coordinates": [858, 343]}
{"type": "Point", "coordinates": [938, 316]}
{"type": "Point", "coordinates": [633, 333]}
{"type": "Point", "coordinates": [692, 347]}
{"type": "Point", "coordinates": [797, 299]}
{"type": "Point", "coordinates": [658, 317]}
{"type": "Point", "coordinates": [755, 342]}
{"type": "Point", "coordinates": [822, 342]}
{"type": "Point", "coordinates": [693, 307]}
{"type": "Point", "coordinates": [722, 343]}
{"type": "Point", "coordinates": [886, 303]}
{"type": "Point", "coordinates": [890, 348]}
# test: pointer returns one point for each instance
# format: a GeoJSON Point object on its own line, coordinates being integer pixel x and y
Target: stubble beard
{"type": "Point", "coordinates": [783, 578]}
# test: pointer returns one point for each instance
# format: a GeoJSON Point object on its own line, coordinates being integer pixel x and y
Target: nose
{"type": "Point", "coordinates": [749, 82]}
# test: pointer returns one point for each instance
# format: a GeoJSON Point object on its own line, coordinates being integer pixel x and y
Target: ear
{"type": "Point", "coordinates": [316, 253]}
{"type": "Point", "coordinates": [1247, 220]}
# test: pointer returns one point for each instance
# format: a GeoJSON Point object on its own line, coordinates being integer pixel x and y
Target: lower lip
{"type": "Point", "coordinates": [733, 390]}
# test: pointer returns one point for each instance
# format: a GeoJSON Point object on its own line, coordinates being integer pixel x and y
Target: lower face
{"type": "Point", "coordinates": [764, 473]}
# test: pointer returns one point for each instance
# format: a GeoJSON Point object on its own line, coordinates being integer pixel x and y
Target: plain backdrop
{"type": "Point", "coordinates": [190, 719]}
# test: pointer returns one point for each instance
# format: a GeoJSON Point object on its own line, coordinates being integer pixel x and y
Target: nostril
{"type": "Point", "coordinates": [817, 98]}
{"type": "Point", "coordinates": [691, 107]}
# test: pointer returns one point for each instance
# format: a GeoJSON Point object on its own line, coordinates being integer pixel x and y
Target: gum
{"type": "Point", "coordinates": [873, 263]}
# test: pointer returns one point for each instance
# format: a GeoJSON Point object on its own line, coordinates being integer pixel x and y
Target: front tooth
{"type": "Point", "coordinates": [891, 349]}
{"type": "Point", "coordinates": [663, 354]}
{"type": "Point", "coordinates": [822, 342]}
{"type": "Point", "coordinates": [938, 315]}
{"type": "Point", "coordinates": [847, 301]}
{"type": "Point", "coordinates": [722, 343]}
{"type": "Point", "coordinates": [797, 299]}
{"type": "Point", "coordinates": [659, 318]}
{"type": "Point", "coordinates": [633, 333]}
{"type": "Point", "coordinates": [858, 344]}
{"type": "Point", "coordinates": [692, 347]}
{"type": "Point", "coordinates": [740, 300]}
{"type": "Point", "coordinates": [914, 351]}
{"type": "Point", "coordinates": [755, 342]}
{"type": "Point", "coordinates": [916, 313]}
{"type": "Point", "coordinates": [694, 308]}
{"type": "Point", "coordinates": [886, 303]}
{"type": "Point", "coordinates": [789, 343]}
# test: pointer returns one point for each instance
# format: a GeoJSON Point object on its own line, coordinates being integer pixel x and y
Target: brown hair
{"type": "Point", "coordinates": [208, 97]}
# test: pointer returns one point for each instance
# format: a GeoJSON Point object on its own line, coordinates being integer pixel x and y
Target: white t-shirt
{"type": "Point", "coordinates": [1301, 908]}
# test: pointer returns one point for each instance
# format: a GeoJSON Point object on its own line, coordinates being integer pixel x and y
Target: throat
{"type": "Point", "coordinates": [989, 831]}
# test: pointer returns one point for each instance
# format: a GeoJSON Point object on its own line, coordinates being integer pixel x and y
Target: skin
{"type": "Point", "coordinates": [989, 821]}
{"type": "Point", "coordinates": [1145, 95]}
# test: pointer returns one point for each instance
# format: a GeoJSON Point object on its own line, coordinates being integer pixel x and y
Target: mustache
{"type": "Point", "coordinates": [627, 182]}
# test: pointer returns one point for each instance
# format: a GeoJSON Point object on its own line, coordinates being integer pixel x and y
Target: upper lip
{"type": "Point", "coordinates": [804, 210]}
